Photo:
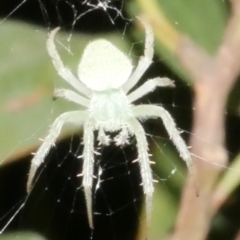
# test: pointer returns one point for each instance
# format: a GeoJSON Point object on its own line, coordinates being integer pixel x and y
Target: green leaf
{"type": "Point", "coordinates": [201, 20]}
{"type": "Point", "coordinates": [27, 81]}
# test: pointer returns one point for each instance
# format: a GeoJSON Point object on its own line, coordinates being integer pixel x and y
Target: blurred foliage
{"type": "Point", "coordinates": [27, 80]}
{"type": "Point", "coordinates": [21, 236]}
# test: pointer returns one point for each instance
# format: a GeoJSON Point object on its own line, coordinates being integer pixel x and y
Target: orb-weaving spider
{"type": "Point", "coordinates": [104, 80]}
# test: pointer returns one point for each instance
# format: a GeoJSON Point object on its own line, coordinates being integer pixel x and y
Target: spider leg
{"type": "Point", "coordinates": [149, 86]}
{"type": "Point", "coordinates": [75, 117]}
{"type": "Point", "coordinates": [71, 96]}
{"type": "Point", "coordinates": [64, 72]}
{"type": "Point", "coordinates": [87, 171]}
{"type": "Point", "coordinates": [150, 111]}
{"type": "Point", "coordinates": [144, 162]}
{"type": "Point", "coordinates": [144, 61]}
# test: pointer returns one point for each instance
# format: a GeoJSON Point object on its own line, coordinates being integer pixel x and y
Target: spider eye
{"type": "Point", "coordinates": [103, 66]}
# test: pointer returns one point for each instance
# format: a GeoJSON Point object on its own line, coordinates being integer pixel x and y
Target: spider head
{"type": "Point", "coordinates": [110, 109]}
{"type": "Point", "coordinates": [103, 66]}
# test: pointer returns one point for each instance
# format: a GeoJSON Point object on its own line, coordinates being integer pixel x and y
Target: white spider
{"type": "Point", "coordinates": [104, 80]}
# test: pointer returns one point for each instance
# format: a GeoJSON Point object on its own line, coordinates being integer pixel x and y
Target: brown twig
{"type": "Point", "coordinates": [213, 80]}
{"type": "Point", "coordinates": [237, 236]}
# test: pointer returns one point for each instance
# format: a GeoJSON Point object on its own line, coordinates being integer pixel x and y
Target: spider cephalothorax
{"type": "Point", "coordinates": [104, 80]}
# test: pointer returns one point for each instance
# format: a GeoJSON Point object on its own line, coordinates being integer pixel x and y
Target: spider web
{"type": "Point", "coordinates": [56, 206]}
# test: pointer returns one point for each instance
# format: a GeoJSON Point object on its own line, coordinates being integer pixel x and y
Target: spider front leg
{"type": "Point", "coordinates": [64, 72]}
{"type": "Point", "coordinates": [144, 61]}
{"type": "Point", "coordinates": [149, 86]}
{"type": "Point", "coordinates": [74, 117]}
{"type": "Point", "coordinates": [144, 162]}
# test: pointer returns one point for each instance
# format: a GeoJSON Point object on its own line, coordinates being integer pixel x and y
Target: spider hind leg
{"type": "Point", "coordinates": [88, 168]}
{"type": "Point", "coordinates": [74, 117]}
{"type": "Point", "coordinates": [144, 162]}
